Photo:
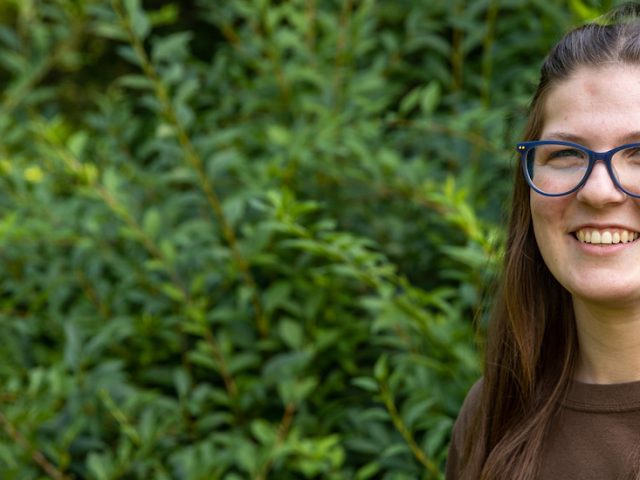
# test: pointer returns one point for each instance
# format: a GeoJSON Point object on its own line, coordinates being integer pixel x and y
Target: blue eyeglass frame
{"type": "Point", "coordinates": [525, 147]}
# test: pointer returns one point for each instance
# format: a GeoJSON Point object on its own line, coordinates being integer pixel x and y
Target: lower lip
{"type": "Point", "coordinates": [604, 249]}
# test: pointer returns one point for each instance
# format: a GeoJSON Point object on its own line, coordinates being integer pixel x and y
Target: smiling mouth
{"type": "Point", "coordinates": [605, 237]}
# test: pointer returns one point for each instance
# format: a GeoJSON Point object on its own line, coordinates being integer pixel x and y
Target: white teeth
{"type": "Point", "coordinates": [606, 237]}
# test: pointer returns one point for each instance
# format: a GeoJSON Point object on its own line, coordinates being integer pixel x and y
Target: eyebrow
{"type": "Point", "coordinates": [630, 137]}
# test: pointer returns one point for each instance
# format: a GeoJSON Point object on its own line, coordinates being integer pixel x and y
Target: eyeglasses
{"type": "Point", "coordinates": [555, 168]}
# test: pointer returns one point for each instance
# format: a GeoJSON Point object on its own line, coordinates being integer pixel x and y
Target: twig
{"type": "Point", "coordinates": [457, 53]}
{"type": "Point", "coordinates": [92, 295]}
{"type": "Point", "coordinates": [36, 455]}
{"type": "Point", "coordinates": [341, 51]}
{"type": "Point", "coordinates": [487, 57]}
{"type": "Point", "coordinates": [120, 417]}
{"type": "Point", "coordinates": [229, 382]}
{"type": "Point", "coordinates": [283, 431]}
{"type": "Point", "coordinates": [194, 160]}
{"type": "Point", "coordinates": [16, 93]}
{"type": "Point", "coordinates": [152, 249]}
{"type": "Point", "coordinates": [387, 398]}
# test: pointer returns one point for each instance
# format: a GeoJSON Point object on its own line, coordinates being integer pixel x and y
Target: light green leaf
{"type": "Point", "coordinates": [137, 16]}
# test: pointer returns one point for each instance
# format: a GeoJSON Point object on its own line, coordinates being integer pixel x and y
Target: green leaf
{"type": "Point", "coordinates": [73, 346]}
{"type": "Point", "coordinates": [7, 457]}
{"type": "Point", "coordinates": [410, 100]}
{"type": "Point", "coordinates": [366, 383]}
{"type": "Point", "coordinates": [137, 82]}
{"type": "Point", "coordinates": [381, 368]}
{"type": "Point", "coordinates": [368, 471]}
{"type": "Point", "coordinates": [100, 466]}
{"type": "Point", "coordinates": [172, 47]}
{"type": "Point", "coordinates": [279, 135]}
{"type": "Point", "coordinates": [140, 23]}
{"type": "Point", "coordinates": [182, 382]}
{"type": "Point", "coordinates": [276, 296]}
{"type": "Point", "coordinates": [291, 333]}
{"type": "Point", "coordinates": [430, 97]}
{"type": "Point", "coordinates": [246, 456]}
{"type": "Point", "coordinates": [151, 222]}
{"type": "Point", "coordinates": [173, 292]}
{"type": "Point", "coordinates": [110, 31]}
{"type": "Point", "coordinates": [264, 432]}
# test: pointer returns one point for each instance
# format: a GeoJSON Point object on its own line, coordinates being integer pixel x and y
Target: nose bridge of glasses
{"type": "Point", "coordinates": [606, 158]}
{"type": "Point", "coordinates": [603, 156]}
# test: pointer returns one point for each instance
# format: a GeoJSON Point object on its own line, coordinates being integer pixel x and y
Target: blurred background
{"type": "Point", "coordinates": [253, 239]}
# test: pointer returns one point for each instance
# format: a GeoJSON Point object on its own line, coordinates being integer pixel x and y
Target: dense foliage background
{"type": "Point", "coordinates": [252, 238]}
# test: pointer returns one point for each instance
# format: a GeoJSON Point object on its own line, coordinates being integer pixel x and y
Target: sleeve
{"type": "Point", "coordinates": [460, 430]}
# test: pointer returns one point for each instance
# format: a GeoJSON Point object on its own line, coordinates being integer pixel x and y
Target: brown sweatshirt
{"type": "Point", "coordinates": [596, 436]}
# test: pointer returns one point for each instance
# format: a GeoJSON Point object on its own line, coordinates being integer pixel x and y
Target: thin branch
{"type": "Point", "coordinates": [227, 377]}
{"type": "Point", "coordinates": [127, 427]}
{"type": "Point", "coordinates": [92, 295]}
{"type": "Point", "coordinates": [36, 455]}
{"type": "Point", "coordinates": [283, 432]}
{"type": "Point", "coordinates": [425, 461]}
{"type": "Point", "coordinates": [311, 14]}
{"type": "Point", "coordinates": [152, 249]}
{"type": "Point", "coordinates": [341, 52]}
{"type": "Point", "coordinates": [487, 57]}
{"type": "Point", "coordinates": [16, 93]}
{"type": "Point", "coordinates": [194, 160]}
{"type": "Point", "coordinates": [457, 53]}
{"type": "Point", "coordinates": [274, 56]}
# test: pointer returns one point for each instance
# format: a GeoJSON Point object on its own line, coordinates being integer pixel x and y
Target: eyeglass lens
{"type": "Point", "coordinates": [557, 169]}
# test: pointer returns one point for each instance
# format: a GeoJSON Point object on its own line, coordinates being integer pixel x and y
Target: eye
{"type": "Point", "coordinates": [566, 153]}
{"type": "Point", "coordinates": [629, 156]}
{"type": "Point", "coordinates": [632, 152]}
{"type": "Point", "coordinates": [561, 157]}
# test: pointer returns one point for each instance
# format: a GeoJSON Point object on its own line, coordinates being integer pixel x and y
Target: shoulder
{"type": "Point", "coordinates": [470, 406]}
{"type": "Point", "coordinates": [461, 429]}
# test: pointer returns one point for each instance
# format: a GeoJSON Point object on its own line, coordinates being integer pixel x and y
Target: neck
{"type": "Point", "coordinates": [609, 344]}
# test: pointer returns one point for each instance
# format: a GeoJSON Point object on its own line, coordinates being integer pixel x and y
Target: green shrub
{"type": "Point", "coordinates": [249, 239]}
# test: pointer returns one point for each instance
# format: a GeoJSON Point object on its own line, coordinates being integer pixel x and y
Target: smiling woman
{"type": "Point", "coordinates": [560, 397]}
{"type": "Point", "coordinates": [599, 106]}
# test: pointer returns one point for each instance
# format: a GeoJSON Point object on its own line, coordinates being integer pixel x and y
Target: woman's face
{"type": "Point", "coordinates": [600, 109]}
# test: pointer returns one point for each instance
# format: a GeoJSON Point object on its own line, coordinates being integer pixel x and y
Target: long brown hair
{"type": "Point", "coordinates": [532, 346]}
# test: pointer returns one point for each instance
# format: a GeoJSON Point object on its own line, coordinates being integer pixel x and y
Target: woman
{"type": "Point", "coordinates": [560, 398]}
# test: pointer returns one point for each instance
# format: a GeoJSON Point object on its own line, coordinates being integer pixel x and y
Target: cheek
{"type": "Point", "coordinates": [546, 215]}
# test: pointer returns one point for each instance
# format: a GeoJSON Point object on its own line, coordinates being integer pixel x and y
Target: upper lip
{"type": "Point", "coordinates": [607, 226]}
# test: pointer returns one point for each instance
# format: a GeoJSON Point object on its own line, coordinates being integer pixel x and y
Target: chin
{"type": "Point", "coordinates": [610, 296]}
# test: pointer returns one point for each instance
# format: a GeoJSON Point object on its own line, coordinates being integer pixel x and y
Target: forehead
{"type": "Point", "coordinates": [600, 104]}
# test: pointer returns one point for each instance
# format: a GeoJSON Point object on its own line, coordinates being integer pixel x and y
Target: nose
{"type": "Point", "coordinates": [599, 189]}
